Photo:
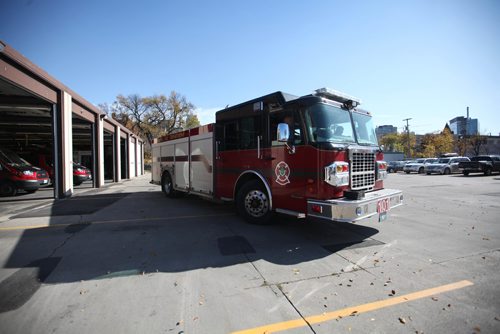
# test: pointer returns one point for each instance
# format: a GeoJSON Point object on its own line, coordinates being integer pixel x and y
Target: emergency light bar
{"type": "Point", "coordinates": [347, 100]}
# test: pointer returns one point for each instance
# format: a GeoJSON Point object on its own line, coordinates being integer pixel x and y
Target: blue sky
{"type": "Point", "coordinates": [425, 60]}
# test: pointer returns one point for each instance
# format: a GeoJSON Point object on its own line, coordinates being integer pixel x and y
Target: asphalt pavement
{"type": "Point", "coordinates": [126, 259]}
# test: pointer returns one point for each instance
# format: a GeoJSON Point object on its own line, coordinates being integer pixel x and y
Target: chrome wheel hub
{"type": "Point", "coordinates": [256, 203]}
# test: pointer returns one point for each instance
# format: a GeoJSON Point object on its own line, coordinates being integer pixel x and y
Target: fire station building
{"type": "Point", "coordinates": [41, 117]}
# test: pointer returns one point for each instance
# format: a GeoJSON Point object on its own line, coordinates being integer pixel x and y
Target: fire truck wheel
{"type": "Point", "coordinates": [167, 186]}
{"type": "Point", "coordinates": [253, 203]}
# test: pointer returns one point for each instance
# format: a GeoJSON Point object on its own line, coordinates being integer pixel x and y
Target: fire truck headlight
{"type": "Point", "coordinates": [337, 174]}
{"type": "Point", "coordinates": [381, 170]}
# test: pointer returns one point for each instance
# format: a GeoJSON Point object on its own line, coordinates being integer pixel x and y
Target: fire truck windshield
{"type": "Point", "coordinates": [327, 123]}
{"type": "Point", "coordinates": [365, 131]}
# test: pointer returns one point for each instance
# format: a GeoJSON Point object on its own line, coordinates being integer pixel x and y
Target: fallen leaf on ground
{"type": "Point", "coordinates": [402, 320]}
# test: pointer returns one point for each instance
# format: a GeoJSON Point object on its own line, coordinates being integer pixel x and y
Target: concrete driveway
{"type": "Point", "coordinates": [126, 259]}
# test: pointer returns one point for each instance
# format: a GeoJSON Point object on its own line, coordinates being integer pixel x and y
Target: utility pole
{"type": "Point", "coordinates": [466, 131]}
{"type": "Point", "coordinates": [408, 136]}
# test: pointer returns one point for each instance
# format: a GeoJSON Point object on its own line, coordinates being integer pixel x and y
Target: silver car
{"type": "Point", "coordinates": [418, 166]}
{"type": "Point", "coordinates": [445, 166]}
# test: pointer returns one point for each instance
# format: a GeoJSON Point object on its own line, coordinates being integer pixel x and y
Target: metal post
{"type": "Point", "coordinates": [408, 136]}
{"type": "Point", "coordinates": [466, 131]}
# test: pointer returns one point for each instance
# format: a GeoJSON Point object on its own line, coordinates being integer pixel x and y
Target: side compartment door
{"type": "Point", "coordinates": [181, 171]}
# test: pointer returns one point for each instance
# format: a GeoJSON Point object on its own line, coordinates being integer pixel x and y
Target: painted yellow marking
{"type": "Point", "coordinates": [117, 221]}
{"type": "Point", "coordinates": [355, 310]}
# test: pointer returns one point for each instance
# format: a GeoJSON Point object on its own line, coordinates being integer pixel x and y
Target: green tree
{"type": "Point", "coordinates": [398, 142]}
{"type": "Point", "coordinates": [392, 142]}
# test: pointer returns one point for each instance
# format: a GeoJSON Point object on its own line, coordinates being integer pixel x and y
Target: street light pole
{"type": "Point", "coordinates": [408, 136]}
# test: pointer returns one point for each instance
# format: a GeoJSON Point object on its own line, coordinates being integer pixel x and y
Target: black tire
{"type": "Point", "coordinates": [167, 186]}
{"type": "Point", "coordinates": [466, 173]}
{"type": "Point", "coordinates": [407, 172]}
{"type": "Point", "coordinates": [8, 188]}
{"type": "Point", "coordinates": [447, 171]}
{"type": "Point", "coordinates": [428, 173]}
{"type": "Point", "coordinates": [421, 170]}
{"type": "Point", "coordinates": [487, 172]}
{"type": "Point", "coordinates": [253, 204]}
{"type": "Point", "coordinates": [390, 170]}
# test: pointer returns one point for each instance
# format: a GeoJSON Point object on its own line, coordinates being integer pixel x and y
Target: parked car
{"type": "Point", "coordinates": [481, 164]}
{"type": "Point", "coordinates": [44, 160]}
{"type": "Point", "coordinates": [395, 166]}
{"type": "Point", "coordinates": [80, 174]}
{"type": "Point", "coordinates": [18, 174]}
{"type": "Point", "coordinates": [444, 165]}
{"type": "Point", "coordinates": [41, 160]}
{"type": "Point", "coordinates": [418, 166]}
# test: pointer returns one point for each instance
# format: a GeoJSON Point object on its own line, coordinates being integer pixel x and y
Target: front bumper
{"type": "Point", "coordinates": [413, 169]}
{"type": "Point", "coordinates": [345, 210]}
{"type": "Point", "coordinates": [81, 178]}
{"type": "Point", "coordinates": [27, 184]}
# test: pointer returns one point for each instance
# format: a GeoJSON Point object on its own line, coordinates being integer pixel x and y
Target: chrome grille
{"type": "Point", "coordinates": [362, 170]}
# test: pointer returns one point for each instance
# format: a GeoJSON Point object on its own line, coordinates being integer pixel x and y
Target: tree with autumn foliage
{"type": "Point", "coordinates": [433, 145]}
{"type": "Point", "coordinates": [477, 143]}
{"type": "Point", "coordinates": [153, 116]}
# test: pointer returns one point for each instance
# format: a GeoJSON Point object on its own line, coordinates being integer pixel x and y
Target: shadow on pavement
{"type": "Point", "coordinates": [125, 234]}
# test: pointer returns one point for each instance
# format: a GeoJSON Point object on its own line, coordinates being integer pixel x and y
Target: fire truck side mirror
{"type": "Point", "coordinates": [283, 133]}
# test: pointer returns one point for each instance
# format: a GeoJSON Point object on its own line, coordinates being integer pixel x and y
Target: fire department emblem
{"type": "Point", "coordinates": [282, 172]}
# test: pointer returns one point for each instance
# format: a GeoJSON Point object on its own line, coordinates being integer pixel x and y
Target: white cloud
{"type": "Point", "coordinates": [206, 115]}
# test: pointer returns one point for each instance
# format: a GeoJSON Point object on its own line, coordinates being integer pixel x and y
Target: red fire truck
{"type": "Point", "coordinates": [310, 156]}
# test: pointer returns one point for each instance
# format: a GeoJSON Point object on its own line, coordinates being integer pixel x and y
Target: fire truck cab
{"type": "Point", "coordinates": [310, 156]}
